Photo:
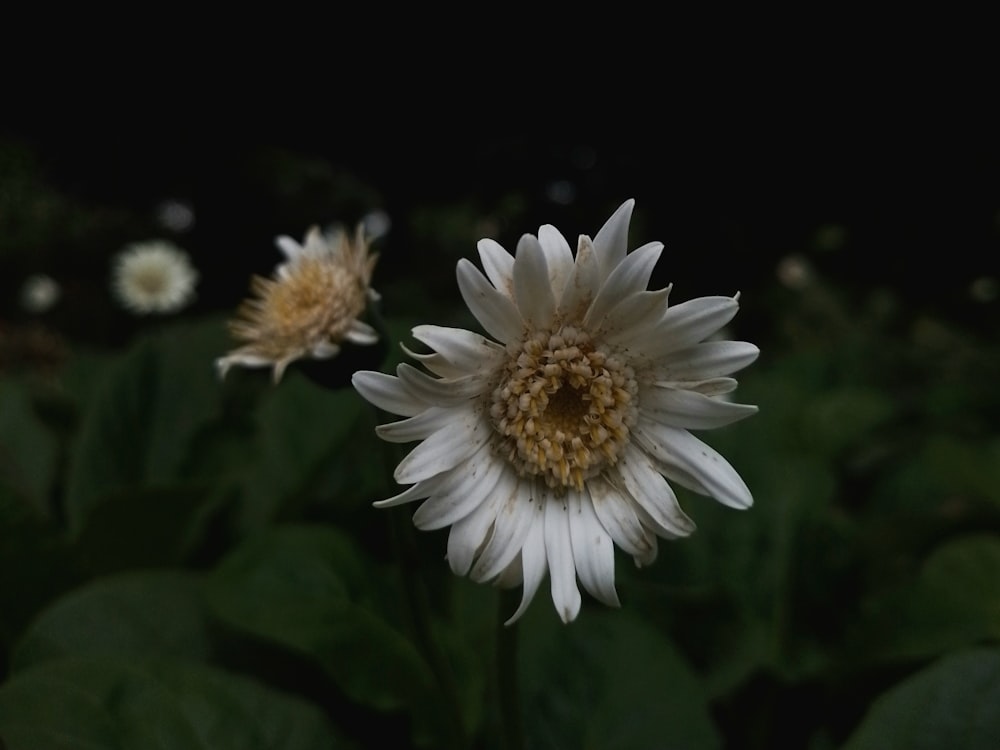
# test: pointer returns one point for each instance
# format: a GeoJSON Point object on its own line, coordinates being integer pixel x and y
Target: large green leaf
{"type": "Point", "coordinates": [954, 602]}
{"type": "Point", "coordinates": [302, 434]}
{"type": "Point", "coordinates": [608, 681]}
{"type": "Point", "coordinates": [138, 614]}
{"type": "Point", "coordinates": [143, 704]}
{"type": "Point", "coordinates": [954, 703]}
{"type": "Point", "coordinates": [309, 590]}
{"type": "Point", "coordinates": [139, 427]}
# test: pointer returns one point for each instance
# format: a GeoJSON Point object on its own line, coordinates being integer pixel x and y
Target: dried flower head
{"type": "Point", "coordinates": [309, 306]}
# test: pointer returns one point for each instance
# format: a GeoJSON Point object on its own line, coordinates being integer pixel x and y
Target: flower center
{"type": "Point", "coordinates": [152, 281]}
{"type": "Point", "coordinates": [563, 407]}
{"type": "Point", "coordinates": [316, 298]}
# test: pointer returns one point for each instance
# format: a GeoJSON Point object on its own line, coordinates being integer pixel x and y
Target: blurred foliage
{"type": "Point", "coordinates": [186, 562]}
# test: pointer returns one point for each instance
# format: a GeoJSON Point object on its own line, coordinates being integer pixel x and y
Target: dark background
{"type": "Point", "coordinates": [912, 212]}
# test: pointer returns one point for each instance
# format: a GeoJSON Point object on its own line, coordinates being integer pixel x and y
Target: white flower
{"type": "Point", "coordinates": [39, 293]}
{"type": "Point", "coordinates": [545, 450]}
{"type": "Point", "coordinates": [309, 307]}
{"type": "Point", "coordinates": [153, 277]}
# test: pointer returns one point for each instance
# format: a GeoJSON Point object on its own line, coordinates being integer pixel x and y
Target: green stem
{"type": "Point", "coordinates": [511, 729]}
{"type": "Point", "coordinates": [417, 600]}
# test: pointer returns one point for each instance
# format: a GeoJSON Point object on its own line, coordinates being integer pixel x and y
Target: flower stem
{"type": "Point", "coordinates": [416, 598]}
{"type": "Point", "coordinates": [511, 730]}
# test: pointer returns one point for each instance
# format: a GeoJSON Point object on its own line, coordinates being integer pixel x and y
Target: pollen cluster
{"type": "Point", "coordinates": [563, 407]}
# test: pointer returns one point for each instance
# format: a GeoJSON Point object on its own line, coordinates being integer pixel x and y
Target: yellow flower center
{"type": "Point", "coordinates": [563, 407]}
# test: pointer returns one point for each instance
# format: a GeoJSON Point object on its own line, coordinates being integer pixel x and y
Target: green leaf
{"type": "Point", "coordinates": [608, 681]}
{"type": "Point", "coordinates": [308, 589]}
{"type": "Point", "coordinates": [951, 704]}
{"type": "Point", "coordinates": [302, 431]}
{"type": "Point", "coordinates": [139, 427]}
{"type": "Point", "coordinates": [954, 602]}
{"type": "Point", "coordinates": [35, 563]}
{"type": "Point", "coordinates": [139, 614]}
{"type": "Point", "coordinates": [145, 527]}
{"type": "Point", "coordinates": [143, 704]}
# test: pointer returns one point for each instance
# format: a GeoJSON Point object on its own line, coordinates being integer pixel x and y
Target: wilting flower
{"type": "Point", "coordinates": [153, 277]}
{"type": "Point", "coordinates": [545, 450]}
{"type": "Point", "coordinates": [309, 307]}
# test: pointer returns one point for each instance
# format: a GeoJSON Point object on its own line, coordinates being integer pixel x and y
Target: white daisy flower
{"type": "Point", "coordinates": [153, 277]}
{"type": "Point", "coordinates": [309, 307]}
{"type": "Point", "coordinates": [547, 449]}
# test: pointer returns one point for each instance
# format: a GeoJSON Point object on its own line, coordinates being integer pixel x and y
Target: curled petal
{"type": "Point", "coordinates": [388, 393]}
{"type": "Point", "coordinates": [673, 448]}
{"type": "Point", "coordinates": [691, 410]}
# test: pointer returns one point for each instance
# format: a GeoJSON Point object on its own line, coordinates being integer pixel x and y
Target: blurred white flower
{"type": "Point", "coordinates": [39, 293]}
{"type": "Point", "coordinates": [175, 215]}
{"type": "Point", "coordinates": [795, 272]}
{"type": "Point", "coordinates": [153, 277]}
{"type": "Point", "coordinates": [309, 307]}
{"type": "Point", "coordinates": [545, 450]}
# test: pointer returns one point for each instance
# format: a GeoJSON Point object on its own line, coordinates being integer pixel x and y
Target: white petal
{"type": "Point", "coordinates": [583, 283]}
{"type": "Point", "coordinates": [629, 277]}
{"type": "Point", "coordinates": [467, 351]}
{"type": "Point", "coordinates": [533, 565]}
{"type": "Point", "coordinates": [416, 492]}
{"type": "Point", "coordinates": [324, 350]}
{"type": "Point", "coordinates": [494, 310]}
{"type": "Point", "coordinates": [223, 364]}
{"type": "Point", "coordinates": [690, 410]}
{"type": "Point", "coordinates": [707, 387]}
{"type": "Point", "coordinates": [686, 324]}
{"type": "Point", "coordinates": [418, 427]}
{"type": "Point", "coordinates": [559, 553]}
{"type": "Point", "coordinates": [532, 288]}
{"type": "Point", "coordinates": [652, 492]}
{"type": "Point", "coordinates": [441, 391]}
{"type": "Point", "coordinates": [315, 244]}
{"type": "Point", "coordinates": [435, 363]}
{"type": "Point", "coordinates": [359, 332]}
{"type": "Point", "coordinates": [468, 536]}
{"type": "Point", "coordinates": [447, 448]}
{"type": "Point", "coordinates": [453, 501]}
{"type": "Point", "coordinates": [288, 246]}
{"type": "Point", "coordinates": [634, 316]}
{"type": "Point", "coordinates": [593, 550]}
{"type": "Point", "coordinates": [618, 517]}
{"type": "Point", "coordinates": [611, 242]}
{"type": "Point", "coordinates": [498, 265]}
{"type": "Point", "coordinates": [509, 530]}
{"type": "Point", "coordinates": [707, 360]}
{"type": "Point", "coordinates": [387, 392]}
{"type": "Point", "coordinates": [558, 257]}
{"type": "Point", "coordinates": [671, 447]}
